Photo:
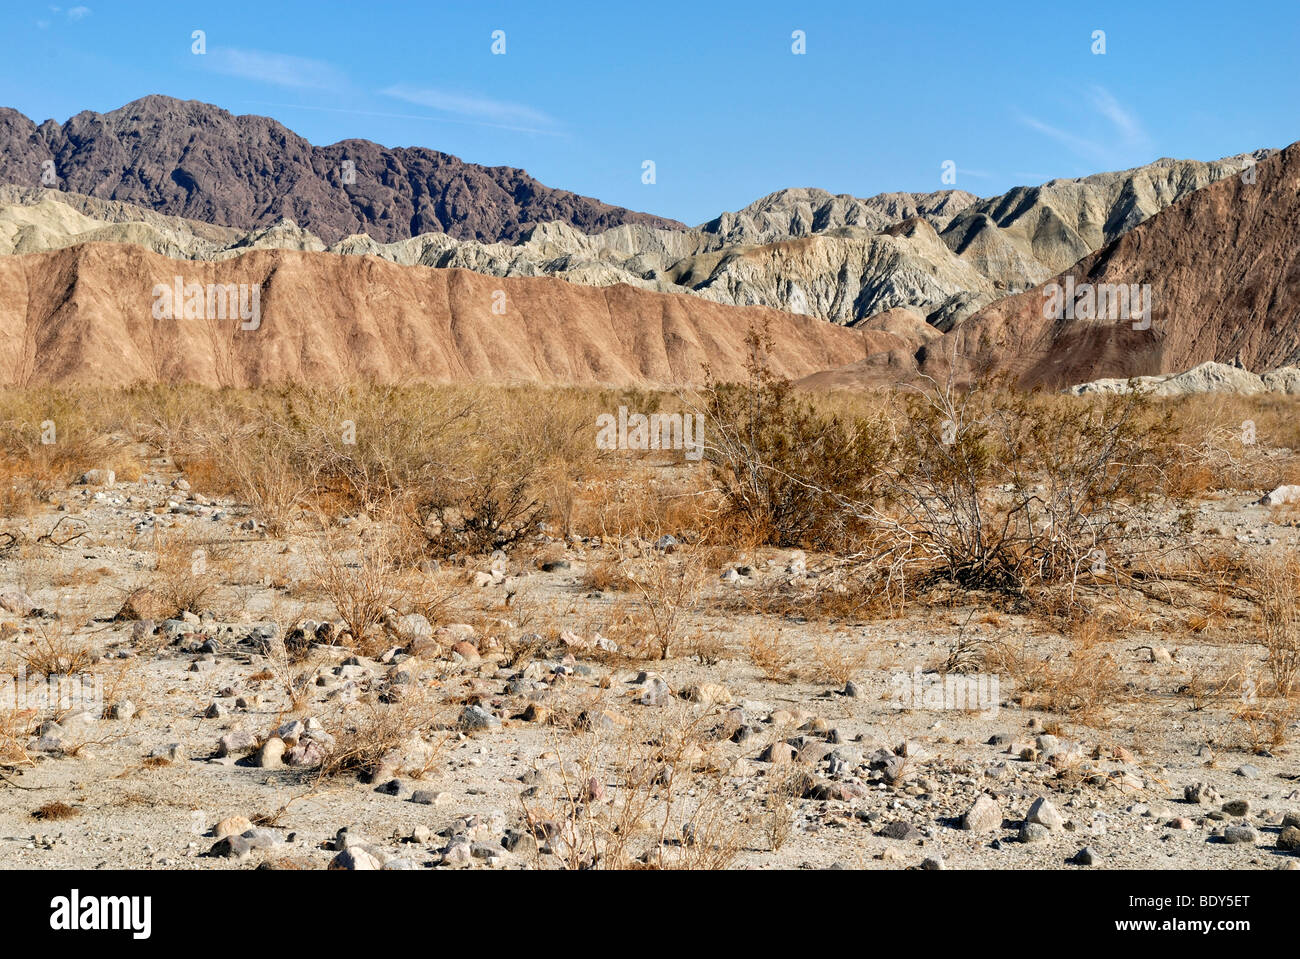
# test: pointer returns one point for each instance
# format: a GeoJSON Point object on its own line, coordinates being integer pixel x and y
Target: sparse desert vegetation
{"type": "Point", "coordinates": [442, 619]}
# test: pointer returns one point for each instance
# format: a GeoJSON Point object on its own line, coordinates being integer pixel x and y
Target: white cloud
{"type": "Point", "coordinates": [1116, 135]}
{"type": "Point", "coordinates": [480, 109]}
{"type": "Point", "coordinates": [1076, 144]}
{"type": "Point", "coordinates": [1124, 121]}
{"type": "Point", "coordinates": [79, 13]}
{"type": "Point", "coordinates": [281, 69]}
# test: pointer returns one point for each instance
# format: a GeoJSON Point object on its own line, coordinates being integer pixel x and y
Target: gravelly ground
{"type": "Point", "coordinates": [1118, 782]}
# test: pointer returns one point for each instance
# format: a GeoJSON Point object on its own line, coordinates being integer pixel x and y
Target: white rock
{"type": "Point", "coordinates": [1281, 495]}
{"type": "Point", "coordinates": [98, 478]}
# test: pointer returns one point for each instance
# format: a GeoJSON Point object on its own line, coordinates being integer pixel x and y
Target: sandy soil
{"type": "Point", "coordinates": [1118, 779]}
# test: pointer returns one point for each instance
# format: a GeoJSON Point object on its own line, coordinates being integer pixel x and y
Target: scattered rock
{"type": "Point", "coordinates": [900, 830]}
{"type": "Point", "coordinates": [429, 797]}
{"type": "Point", "coordinates": [271, 754]}
{"type": "Point", "coordinates": [232, 847]}
{"type": "Point", "coordinates": [14, 600]}
{"type": "Point", "coordinates": [1289, 838]}
{"type": "Point", "coordinates": [984, 816]}
{"type": "Point", "coordinates": [98, 477]}
{"type": "Point", "coordinates": [1236, 835]}
{"type": "Point", "coordinates": [1033, 832]}
{"type": "Point", "coordinates": [236, 742]}
{"type": "Point", "coordinates": [477, 719]}
{"type": "Point", "coordinates": [655, 693]}
{"type": "Point", "coordinates": [1281, 496]}
{"type": "Point", "coordinates": [1045, 814]}
{"type": "Point", "coordinates": [1202, 794]}
{"type": "Point", "coordinates": [356, 858]}
{"type": "Point", "coordinates": [466, 650]}
{"type": "Point", "coordinates": [232, 826]}
{"type": "Point", "coordinates": [714, 693]}
{"type": "Point", "coordinates": [778, 752]}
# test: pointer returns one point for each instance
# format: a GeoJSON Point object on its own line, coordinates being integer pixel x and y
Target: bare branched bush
{"type": "Point", "coordinates": [772, 654]}
{"type": "Point", "coordinates": [838, 660]}
{"type": "Point", "coordinates": [491, 506]}
{"type": "Point", "coordinates": [363, 584]}
{"type": "Point", "coordinates": [183, 577]}
{"type": "Point", "coordinates": [635, 798]}
{"type": "Point", "coordinates": [784, 789]}
{"type": "Point", "coordinates": [16, 726]}
{"type": "Point", "coordinates": [1007, 490]}
{"type": "Point", "coordinates": [57, 650]}
{"type": "Point", "coordinates": [667, 586]}
{"type": "Point", "coordinates": [1276, 584]}
{"type": "Point", "coordinates": [404, 737]}
{"type": "Point", "coordinates": [257, 461]}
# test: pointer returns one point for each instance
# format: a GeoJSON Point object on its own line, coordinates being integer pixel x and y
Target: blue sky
{"type": "Point", "coordinates": [1010, 92]}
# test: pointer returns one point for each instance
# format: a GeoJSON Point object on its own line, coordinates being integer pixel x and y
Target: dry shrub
{"type": "Point", "coordinates": [490, 507]}
{"type": "Point", "coordinates": [1082, 633]}
{"type": "Point", "coordinates": [706, 646]}
{"type": "Point", "coordinates": [667, 586]}
{"type": "Point", "coordinates": [606, 575]}
{"type": "Point", "coordinates": [293, 668]}
{"type": "Point", "coordinates": [55, 811]}
{"type": "Point", "coordinates": [363, 583]}
{"type": "Point", "coordinates": [257, 463]}
{"type": "Point", "coordinates": [783, 467]}
{"type": "Point", "coordinates": [57, 650]}
{"type": "Point", "coordinates": [406, 736]}
{"type": "Point", "coordinates": [785, 785]}
{"type": "Point", "coordinates": [1010, 491]}
{"type": "Point", "coordinates": [1226, 441]}
{"type": "Point", "coordinates": [1276, 585]}
{"type": "Point", "coordinates": [643, 797]}
{"type": "Point", "coordinates": [48, 437]}
{"type": "Point", "coordinates": [1266, 724]}
{"type": "Point", "coordinates": [183, 577]}
{"type": "Point", "coordinates": [1081, 685]}
{"type": "Point", "coordinates": [837, 660]}
{"type": "Point", "coordinates": [525, 454]}
{"type": "Point", "coordinates": [16, 727]}
{"type": "Point", "coordinates": [772, 654]}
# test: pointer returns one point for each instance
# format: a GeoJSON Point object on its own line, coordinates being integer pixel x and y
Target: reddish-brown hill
{"type": "Point", "coordinates": [85, 315]}
{"type": "Point", "coordinates": [1223, 264]}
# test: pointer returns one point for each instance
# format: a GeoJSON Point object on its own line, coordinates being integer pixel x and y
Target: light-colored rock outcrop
{"type": "Point", "coordinates": [1028, 234]}
{"type": "Point", "coordinates": [1209, 377]}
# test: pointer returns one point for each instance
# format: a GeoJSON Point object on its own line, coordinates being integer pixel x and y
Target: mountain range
{"type": "Point", "coordinates": [196, 160]}
{"type": "Point", "coordinates": [943, 282]}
